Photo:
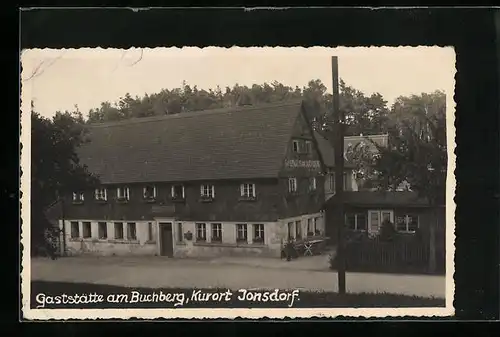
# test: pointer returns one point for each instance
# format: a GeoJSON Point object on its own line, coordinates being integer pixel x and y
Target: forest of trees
{"type": "Point", "coordinates": [364, 114]}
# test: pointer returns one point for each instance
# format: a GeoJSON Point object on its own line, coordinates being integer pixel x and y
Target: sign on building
{"type": "Point", "coordinates": [296, 163]}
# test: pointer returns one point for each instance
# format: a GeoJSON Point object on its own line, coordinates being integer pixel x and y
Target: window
{"type": "Point", "coordinates": [376, 218]}
{"type": "Point", "coordinates": [361, 222]}
{"type": "Point", "coordinates": [178, 192]}
{"type": "Point", "coordinates": [407, 223]}
{"type": "Point", "coordinates": [248, 190]}
{"type": "Point", "coordinates": [292, 185]}
{"type": "Point", "coordinates": [131, 231]}
{"type": "Point", "coordinates": [123, 193]}
{"type": "Point", "coordinates": [241, 233]}
{"type": "Point", "coordinates": [258, 233]}
{"type": "Point", "coordinates": [308, 146]}
{"type": "Point", "coordinates": [312, 184]}
{"type": "Point", "coordinates": [78, 197]}
{"type": "Point", "coordinates": [386, 216]}
{"type": "Point", "coordinates": [298, 230]}
{"type": "Point", "coordinates": [103, 230]}
{"type": "Point", "coordinates": [100, 194]}
{"type": "Point", "coordinates": [87, 230]}
{"type": "Point", "coordinates": [75, 230]}
{"type": "Point", "coordinates": [356, 222]}
{"type": "Point", "coordinates": [180, 233]}
{"type": "Point", "coordinates": [296, 146]}
{"type": "Point", "coordinates": [310, 229]}
{"type": "Point", "coordinates": [119, 230]}
{"type": "Point", "coordinates": [331, 182]}
{"type": "Point", "coordinates": [216, 232]}
{"type": "Point", "coordinates": [149, 192]}
{"type": "Point", "coordinates": [207, 191]}
{"type": "Point", "coordinates": [201, 232]}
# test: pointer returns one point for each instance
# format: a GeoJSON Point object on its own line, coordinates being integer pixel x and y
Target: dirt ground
{"type": "Point", "coordinates": [308, 273]}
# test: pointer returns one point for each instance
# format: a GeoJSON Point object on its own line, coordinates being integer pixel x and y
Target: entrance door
{"type": "Point", "coordinates": [166, 242]}
{"type": "Point", "coordinates": [290, 231]}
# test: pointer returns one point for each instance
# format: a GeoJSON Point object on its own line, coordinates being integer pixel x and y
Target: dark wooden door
{"type": "Point", "coordinates": [290, 231]}
{"type": "Point", "coordinates": [166, 246]}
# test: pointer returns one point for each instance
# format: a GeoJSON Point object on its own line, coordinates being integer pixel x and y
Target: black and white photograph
{"type": "Point", "coordinates": [237, 182]}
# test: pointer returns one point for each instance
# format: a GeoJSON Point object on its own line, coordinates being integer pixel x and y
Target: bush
{"type": "Point", "coordinates": [387, 231]}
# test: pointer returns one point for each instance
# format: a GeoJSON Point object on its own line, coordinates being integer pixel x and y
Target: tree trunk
{"type": "Point", "coordinates": [432, 241]}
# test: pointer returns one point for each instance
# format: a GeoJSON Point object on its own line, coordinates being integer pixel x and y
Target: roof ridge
{"type": "Point", "coordinates": [191, 114]}
{"type": "Point", "coordinates": [364, 136]}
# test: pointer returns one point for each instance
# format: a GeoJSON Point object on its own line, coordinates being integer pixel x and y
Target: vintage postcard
{"type": "Point", "coordinates": [237, 182]}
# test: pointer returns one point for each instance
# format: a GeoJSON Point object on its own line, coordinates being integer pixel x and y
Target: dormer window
{"type": "Point", "coordinates": [78, 197]}
{"type": "Point", "coordinates": [247, 191]}
{"type": "Point", "coordinates": [308, 147]}
{"type": "Point", "coordinates": [149, 192]}
{"type": "Point", "coordinates": [100, 194]}
{"type": "Point", "coordinates": [296, 146]}
{"type": "Point", "coordinates": [123, 193]}
{"type": "Point", "coordinates": [177, 192]}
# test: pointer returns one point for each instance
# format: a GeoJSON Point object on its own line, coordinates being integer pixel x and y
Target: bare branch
{"type": "Point", "coordinates": [140, 58]}
{"type": "Point", "coordinates": [35, 71]}
{"type": "Point", "coordinates": [39, 71]}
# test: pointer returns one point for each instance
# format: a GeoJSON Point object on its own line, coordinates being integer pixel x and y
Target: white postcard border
{"type": "Point", "coordinates": [231, 313]}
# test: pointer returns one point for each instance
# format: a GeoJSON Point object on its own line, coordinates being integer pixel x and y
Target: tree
{"type": "Point", "coordinates": [55, 167]}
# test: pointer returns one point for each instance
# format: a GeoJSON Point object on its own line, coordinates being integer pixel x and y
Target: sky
{"type": "Point", "coordinates": [57, 80]}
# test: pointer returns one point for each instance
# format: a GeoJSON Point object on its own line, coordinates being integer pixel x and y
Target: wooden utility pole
{"type": "Point", "coordinates": [337, 141]}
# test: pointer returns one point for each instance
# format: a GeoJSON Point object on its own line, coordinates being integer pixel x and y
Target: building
{"type": "Point", "coordinates": [366, 209]}
{"type": "Point", "coordinates": [351, 183]}
{"type": "Point", "coordinates": [237, 181]}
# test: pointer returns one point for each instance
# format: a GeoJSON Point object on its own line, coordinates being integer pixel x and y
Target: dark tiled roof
{"type": "Point", "coordinates": [237, 143]}
{"type": "Point", "coordinates": [380, 198]}
{"type": "Point", "coordinates": [328, 152]}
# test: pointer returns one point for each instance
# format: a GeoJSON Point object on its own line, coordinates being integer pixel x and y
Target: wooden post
{"type": "Point", "coordinates": [432, 241]}
{"type": "Point", "coordinates": [337, 140]}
